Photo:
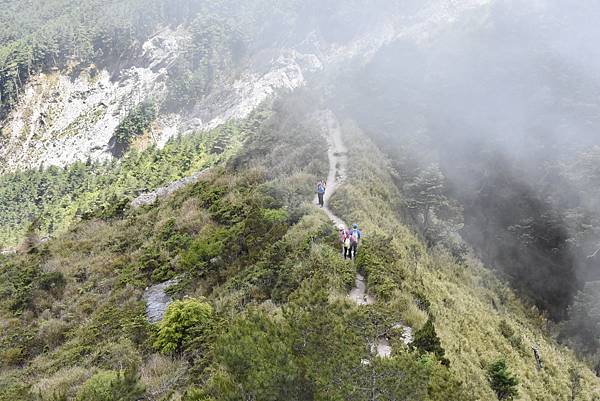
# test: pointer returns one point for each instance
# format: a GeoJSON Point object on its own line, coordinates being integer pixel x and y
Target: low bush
{"type": "Point", "coordinates": [52, 332]}
{"type": "Point", "coordinates": [377, 259]}
{"type": "Point", "coordinates": [112, 386]}
{"type": "Point", "coordinates": [186, 323]}
{"type": "Point", "coordinates": [63, 383]}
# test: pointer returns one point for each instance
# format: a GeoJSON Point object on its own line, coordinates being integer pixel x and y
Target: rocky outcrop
{"type": "Point", "coordinates": [157, 300]}
{"type": "Point", "coordinates": [63, 118]}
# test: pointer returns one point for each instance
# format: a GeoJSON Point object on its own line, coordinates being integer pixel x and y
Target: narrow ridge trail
{"type": "Point", "coordinates": [338, 159]}
{"type": "Point", "coordinates": [337, 154]}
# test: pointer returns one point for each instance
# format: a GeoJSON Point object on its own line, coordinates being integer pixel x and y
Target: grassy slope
{"type": "Point", "coordinates": [468, 302]}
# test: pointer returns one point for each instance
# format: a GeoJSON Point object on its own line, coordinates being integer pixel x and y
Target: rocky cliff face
{"type": "Point", "coordinates": [65, 116]}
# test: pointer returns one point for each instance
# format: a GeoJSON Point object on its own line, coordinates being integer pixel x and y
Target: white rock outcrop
{"type": "Point", "coordinates": [62, 118]}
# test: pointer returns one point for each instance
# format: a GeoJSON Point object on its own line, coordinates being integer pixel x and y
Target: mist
{"type": "Point", "coordinates": [505, 98]}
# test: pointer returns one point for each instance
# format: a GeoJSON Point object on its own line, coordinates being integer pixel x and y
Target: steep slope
{"type": "Point", "coordinates": [70, 112]}
{"type": "Point", "coordinates": [179, 74]}
{"type": "Point", "coordinates": [477, 317]}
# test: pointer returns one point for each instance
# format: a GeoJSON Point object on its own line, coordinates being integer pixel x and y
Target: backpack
{"type": "Point", "coordinates": [347, 240]}
{"type": "Point", "coordinates": [354, 236]}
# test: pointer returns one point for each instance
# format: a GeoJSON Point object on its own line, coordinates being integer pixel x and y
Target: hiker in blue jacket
{"type": "Point", "coordinates": [355, 237]}
{"type": "Point", "coordinates": [321, 187]}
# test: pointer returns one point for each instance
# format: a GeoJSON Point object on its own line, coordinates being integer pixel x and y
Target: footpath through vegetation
{"type": "Point", "coordinates": [338, 159]}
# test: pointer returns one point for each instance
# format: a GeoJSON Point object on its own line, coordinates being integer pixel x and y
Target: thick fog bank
{"type": "Point", "coordinates": [508, 105]}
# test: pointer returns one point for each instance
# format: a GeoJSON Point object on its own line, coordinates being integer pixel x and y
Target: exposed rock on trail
{"type": "Point", "coordinates": [359, 293]}
{"type": "Point", "coordinates": [383, 347]}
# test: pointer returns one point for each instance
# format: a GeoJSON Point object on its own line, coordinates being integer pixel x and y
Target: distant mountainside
{"type": "Point", "coordinates": [159, 240]}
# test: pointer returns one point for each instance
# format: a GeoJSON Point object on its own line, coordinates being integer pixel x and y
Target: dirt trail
{"type": "Point", "coordinates": [338, 160]}
{"type": "Point", "coordinates": [337, 154]}
{"type": "Point", "coordinates": [359, 293]}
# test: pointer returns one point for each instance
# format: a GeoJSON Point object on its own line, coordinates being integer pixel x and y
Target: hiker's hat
{"type": "Point", "coordinates": [354, 225]}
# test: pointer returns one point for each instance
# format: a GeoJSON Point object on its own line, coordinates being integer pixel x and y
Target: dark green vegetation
{"type": "Point", "coordinates": [51, 199]}
{"type": "Point", "coordinates": [502, 381]}
{"type": "Point", "coordinates": [136, 123]}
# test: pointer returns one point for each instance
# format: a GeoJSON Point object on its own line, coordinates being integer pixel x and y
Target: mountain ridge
{"type": "Point", "coordinates": [169, 244]}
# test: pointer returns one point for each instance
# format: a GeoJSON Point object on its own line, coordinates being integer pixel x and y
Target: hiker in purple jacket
{"type": "Point", "coordinates": [345, 240]}
{"type": "Point", "coordinates": [355, 238]}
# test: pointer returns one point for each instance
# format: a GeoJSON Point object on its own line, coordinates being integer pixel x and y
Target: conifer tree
{"type": "Point", "coordinates": [502, 381]}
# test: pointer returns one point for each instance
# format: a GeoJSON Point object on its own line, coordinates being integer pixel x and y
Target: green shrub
{"type": "Point", "coordinates": [112, 386]}
{"type": "Point", "coordinates": [53, 282]}
{"type": "Point", "coordinates": [185, 322]}
{"type": "Point", "coordinates": [11, 356]}
{"type": "Point", "coordinates": [502, 381]}
{"type": "Point", "coordinates": [203, 249]}
{"type": "Point", "coordinates": [112, 355]}
{"type": "Point", "coordinates": [427, 341]}
{"type": "Point", "coordinates": [274, 216]}
{"type": "Point", "coordinates": [61, 385]}
{"type": "Point", "coordinates": [421, 301]}
{"type": "Point", "coordinates": [52, 332]}
{"type": "Point", "coordinates": [377, 258]}
{"type": "Point", "coordinates": [196, 394]}
{"type": "Point", "coordinates": [17, 283]}
{"type": "Point", "coordinates": [13, 389]}
{"type": "Point", "coordinates": [508, 332]}
{"type": "Point", "coordinates": [505, 329]}
{"type": "Point", "coordinates": [97, 387]}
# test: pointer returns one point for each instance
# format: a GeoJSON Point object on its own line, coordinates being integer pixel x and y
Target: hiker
{"type": "Point", "coordinates": [321, 187]}
{"type": "Point", "coordinates": [355, 237]}
{"type": "Point", "coordinates": [345, 240]}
